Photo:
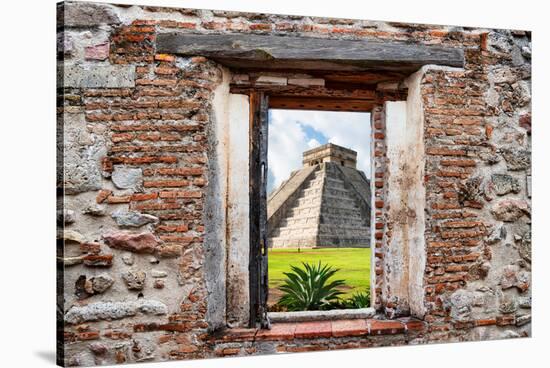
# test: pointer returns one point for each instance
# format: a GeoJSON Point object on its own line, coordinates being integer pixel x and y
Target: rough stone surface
{"type": "Point", "coordinates": [94, 210]}
{"type": "Point", "coordinates": [498, 234]}
{"type": "Point", "coordinates": [461, 305]}
{"type": "Point", "coordinates": [158, 273]}
{"type": "Point", "coordinates": [145, 242]}
{"type": "Point", "coordinates": [504, 184]}
{"type": "Point", "coordinates": [97, 52]}
{"type": "Point", "coordinates": [523, 319]}
{"type": "Point", "coordinates": [86, 287]}
{"type": "Point", "coordinates": [524, 247]}
{"type": "Point", "coordinates": [509, 276]}
{"type": "Point", "coordinates": [127, 178]}
{"type": "Point", "coordinates": [102, 282]}
{"type": "Point", "coordinates": [113, 310]}
{"type": "Point", "coordinates": [98, 348]}
{"type": "Point", "coordinates": [134, 279]}
{"type": "Point", "coordinates": [517, 159]}
{"type": "Point", "coordinates": [508, 304]}
{"type": "Point", "coordinates": [133, 219]}
{"type": "Point", "coordinates": [88, 14]}
{"type": "Point", "coordinates": [73, 236]}
{"type": "Point", "coordinates": [524, 302]}
{"type": "Point", "coordinates": [98, 76]}
{"type": "Point", "coordinates": [509, 210]}
{"type": "Point", "coordinates": [66, 216]}
{"type": "Point", "coordinates": [82, 152]}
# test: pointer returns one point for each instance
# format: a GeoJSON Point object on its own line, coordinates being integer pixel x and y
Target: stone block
{"type": "Point", "coordinates": [97, 76]}
{"type": "Point", "coordinates": [134, 279]}
{"type": "Point", "coordinates": [97, 52]}
{"type": "Point", "coordinates": [82, 153]}
{"type": "Point", "coordinates": [107, 311]}
{"type": "Point", "coordinates": [127, 178]}
{"type": "Point", "coordinates": [510, 210]}
{"type": "Point", "coordinates": [503, 184]}
{"type": "Point", "coordinates": [88, 15]}
{"type": "Point", "coordinates": [144, 242]}
{"type": "Point", "coordinates": [133, 219]}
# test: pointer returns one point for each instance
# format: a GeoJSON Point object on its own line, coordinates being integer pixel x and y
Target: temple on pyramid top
{"type": "Point", "coordinates": [326, 203]}
{"type": "Point", "coordinates": [330, 153]}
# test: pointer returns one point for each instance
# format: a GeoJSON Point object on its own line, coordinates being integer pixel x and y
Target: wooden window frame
{"type": "Point", "coordinates": [261, 100]}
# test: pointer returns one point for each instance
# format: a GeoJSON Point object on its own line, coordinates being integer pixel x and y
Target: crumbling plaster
{"type": "Point", "coordinates": [227, 275]}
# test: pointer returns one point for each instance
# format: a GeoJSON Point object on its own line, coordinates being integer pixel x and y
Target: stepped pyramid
{"type": "Point", "coordinates": [324, 204]}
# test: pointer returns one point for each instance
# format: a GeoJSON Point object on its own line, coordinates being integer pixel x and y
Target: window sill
{"type": "Point", "coordinates": [305, 316]}
{"type": "Point", "coordinates": [323, 329]}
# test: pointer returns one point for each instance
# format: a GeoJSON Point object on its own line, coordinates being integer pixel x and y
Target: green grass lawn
{"type": "Point", "coordinates": [354, 265]}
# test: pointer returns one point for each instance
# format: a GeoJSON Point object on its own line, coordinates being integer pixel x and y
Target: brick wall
{"type": "Point", "coordinates": [135, 143]}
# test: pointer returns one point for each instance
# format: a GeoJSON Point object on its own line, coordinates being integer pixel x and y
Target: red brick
{"type": "Point", "coordinates": [165, 57]}
{"type": "Point", "coordinates": [231, 351]}
{"type": "Point", "coordinates": [239, 334]}
{"type": "Point", "coordinates": [102, 195]}
{"type": "Point", "coordinates": [351, 327]}
{"type": "Point", "coordinates": [381, 327]}
{"type": "Point", "coordinates": [445, 152]}
{"type": "Point", "coordinates": [180, 194]}
{"type": "Point", "coordinates": [459, 163]}
{"type": "Point", "coordinates": [173, 228]}
{"type": "Point", "coordinates": [414, 325]}
{"type": "Point", "coordinates": [144, 160]}
{"type": "Point", "coordinates": [187, 348]}
{"type": "Point", "coordinates": [178, 171]}
{"type": "Point", "coordinates": [279, 331]}
{"type": "Point", "coordinates": [118, 199]}
{"type": "Point", "coordinates": [175, 24]}
{"type": "Point", "coordinates": [462, 224]}
{"type": "Point", "coordinates": [117, 335]}
{"type": "Point", "coordinates": [92, 248]}
{"type": "Point", "coordinates": [85, 336]}
{"type": "Point", "coordinates": [309, 330]}
{"type": "Point", "coordinates": [486, 322]}
{"type": "Point", "coordinates": [165, 183]}
{"type": "Point", "coordinates": [143, 196]}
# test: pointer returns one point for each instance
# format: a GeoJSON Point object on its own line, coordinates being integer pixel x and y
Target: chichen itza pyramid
{"type": "Point", "coordinates": [324, 204]}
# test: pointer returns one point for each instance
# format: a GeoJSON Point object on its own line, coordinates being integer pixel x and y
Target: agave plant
{"type": "Point", "coordinates": [308, 288]}
{"type": "Point", "coordinates": [358, 300]}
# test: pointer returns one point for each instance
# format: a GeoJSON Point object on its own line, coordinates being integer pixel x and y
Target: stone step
{"type": "Point", "coordinates": [325, 208]}
{"type": "Point", "coordinates": [291, 243]}
{"type": "Point", "coordinates": [299, 221]}
{"type": "Point", "coordinates": [341, 233]}
{"type": "Point", "coordinates": [295, 232]}
{"type": "Point", "coordinates": [310, 192]}
{"type": "Point", "coordinates": [343, 222]}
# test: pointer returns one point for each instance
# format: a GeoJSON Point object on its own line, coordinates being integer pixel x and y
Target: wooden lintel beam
{"type": "Point", "coordinates": [315, 91]}
{"type": "Point", "coordinates": [325, 104]}
{"type": "Point", "coordinates": [307, 53]}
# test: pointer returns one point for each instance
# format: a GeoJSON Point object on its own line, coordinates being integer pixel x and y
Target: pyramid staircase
{"type": "Point", "coordinates": [329, 209]}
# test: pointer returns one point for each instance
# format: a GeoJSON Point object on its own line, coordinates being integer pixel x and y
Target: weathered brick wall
{"type": "Point", "coordinates": [477, 129]}
{"type": "Point", "coordinates": [137, 133]}
{"type": "Point", "coordinates": [379, 189]}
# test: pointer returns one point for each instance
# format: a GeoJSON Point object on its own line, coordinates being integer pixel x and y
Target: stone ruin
{"type": "Point", "coordinates": [324, 204]}
{"type": "Point", "coordinates": [155, 144]}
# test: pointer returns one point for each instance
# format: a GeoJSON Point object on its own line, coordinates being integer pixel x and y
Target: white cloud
{"type": "Point", "coordinates": [291, 132]}
{"type": "Point", "coordinates": [312, 143]}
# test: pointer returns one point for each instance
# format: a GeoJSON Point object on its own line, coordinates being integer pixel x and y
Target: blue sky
{"type": "Point", "coordinates": [292, 132]}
